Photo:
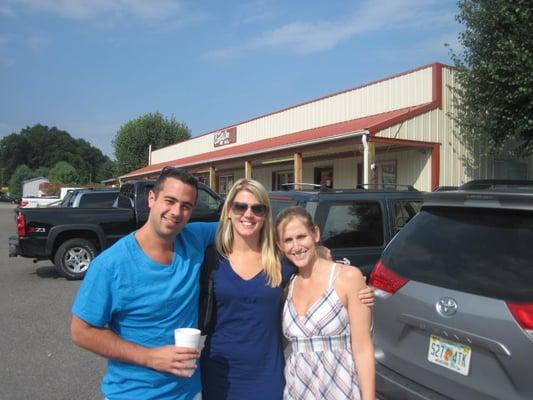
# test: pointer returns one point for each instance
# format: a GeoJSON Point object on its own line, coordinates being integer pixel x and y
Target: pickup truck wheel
{"type": "Point", "coordinates": [73, 257]}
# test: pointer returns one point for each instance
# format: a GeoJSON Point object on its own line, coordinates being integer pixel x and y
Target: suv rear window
{"type": "Point", "coordinates": [97, 199]}
{"type": "Point", "coordinates": [404, 211]}
{"type": "Point", "coordinates": [67, 200]}
{"type": "Point", "coordinates": [352, 224]}
{"type": "Point", "coordinates": [481, 251]}
{"type": "Point", "coordinates": [206, 201]}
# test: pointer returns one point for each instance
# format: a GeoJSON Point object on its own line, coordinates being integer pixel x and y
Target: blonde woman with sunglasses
{"type": "Point", "coordinates": [243, 356]}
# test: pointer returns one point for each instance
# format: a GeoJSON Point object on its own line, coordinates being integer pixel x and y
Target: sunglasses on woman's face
{"type": "Point", "coordinates": [258, 210]}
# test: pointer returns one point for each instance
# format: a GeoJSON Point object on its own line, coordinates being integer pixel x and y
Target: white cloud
{"type": "Point", "coordinates": [89, 9]}
{"type": "Point", "coordinates": [36, 43]}
{"type": "Point", "coordinates": [371, 16]}
{"type": "Point", "coordinates": [304, 38]}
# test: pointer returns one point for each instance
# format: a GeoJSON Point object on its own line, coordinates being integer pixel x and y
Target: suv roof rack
{"type": "Point", "coordinates": [370, 186]}
{"type": "Point", "coordinates": [506, 185]}
{"type": "Point", "coordinates": [288, 186]}
{"type": "Point", "coordinates": [385, 186]}
{"type": "Point", "coordinates": [480, 199]}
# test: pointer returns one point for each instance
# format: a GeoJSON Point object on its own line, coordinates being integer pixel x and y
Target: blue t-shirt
{"type": "Point", "coordinates": [143, 302]}
{"type": "Point", "coordinates": [243, 357]}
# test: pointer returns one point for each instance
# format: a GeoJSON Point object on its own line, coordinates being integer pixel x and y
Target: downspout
{"type": "Point", "coordinates": [366, 159]}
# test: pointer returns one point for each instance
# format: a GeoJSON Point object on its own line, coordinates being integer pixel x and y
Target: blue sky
{"type": "Point", "coordinates": [89, 66]}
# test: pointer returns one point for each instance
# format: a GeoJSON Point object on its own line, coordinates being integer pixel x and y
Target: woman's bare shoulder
{"type": "Point", "coordinates": [350, 276]}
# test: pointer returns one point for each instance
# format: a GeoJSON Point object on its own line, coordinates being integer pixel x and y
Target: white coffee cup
{"type": "Point", "coordinates": [187, 337]}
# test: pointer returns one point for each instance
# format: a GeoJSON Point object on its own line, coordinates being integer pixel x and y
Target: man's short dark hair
{"type": "Point", "coordinates": [176, 173]}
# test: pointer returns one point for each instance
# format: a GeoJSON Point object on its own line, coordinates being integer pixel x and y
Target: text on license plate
{"type": "Point", "coordinates": [451, 355]}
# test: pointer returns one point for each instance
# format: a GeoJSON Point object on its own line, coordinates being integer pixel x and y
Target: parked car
{"type": "Point", "coordinates": [88, 198]}
{"type": "Point", "coordinates": [4, 198]}
{"type": "Point", "coordinates": [72, 236]}
{"type": "Point", "coordinates": [454, 298]}
{"type": "Point", "coordinates": [355, 224]}
{"type": "Point", "coordinates": [36, 202]}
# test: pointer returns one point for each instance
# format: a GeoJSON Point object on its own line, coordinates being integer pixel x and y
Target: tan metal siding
{"type": "Point", "coordinates": [264, 175]}
{"type": "Point", "coordinates": [345, 172]}
{"type": "Point", "coordinates": [237, 174]}
{"type": "Point", "coordinates": [413, 167]}
{"type": "Point", "coordinates": [406, 90]}
{"type": "Point", "coordinates": [457, 164]}
{"type": "Point", "coordinates": [190, 147]}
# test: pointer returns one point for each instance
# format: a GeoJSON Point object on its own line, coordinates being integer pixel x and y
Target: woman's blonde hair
{"type": "Point", "coordinates": [224, 236]}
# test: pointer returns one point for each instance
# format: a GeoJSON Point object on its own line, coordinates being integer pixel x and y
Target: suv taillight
{"type": "Point", "coordinates": [385, 279]}
{"type": "Point", "coordinates": [523, 313]}
{"type": "Point", "coordinates": [21, 225]}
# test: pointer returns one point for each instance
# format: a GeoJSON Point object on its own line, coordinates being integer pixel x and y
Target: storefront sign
{"type": "Point", "coordinates": [226, 136]}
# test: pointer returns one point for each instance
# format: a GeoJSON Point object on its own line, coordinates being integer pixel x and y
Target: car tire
{"type": "Point", "coordinates": [72, 258]}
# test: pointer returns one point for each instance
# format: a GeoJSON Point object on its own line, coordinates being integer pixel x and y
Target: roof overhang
{"type": "Point", "coordinates": [338, 132]}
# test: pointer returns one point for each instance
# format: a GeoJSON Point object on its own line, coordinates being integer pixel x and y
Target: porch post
{"type": "Point", "coordinates": [212, 181]}
{"type": "Point", "coordinates": [248, 169]}
{"type": "Point", "coordinates": [297, 170]}
{"type": "Point", "coordinates": [369, 160]}
{"type": "Point", "coordinates": [435, 166]}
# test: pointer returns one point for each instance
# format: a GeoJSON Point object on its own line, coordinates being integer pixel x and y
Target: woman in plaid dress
{"type": "Point", "coordinates": [323, 319]}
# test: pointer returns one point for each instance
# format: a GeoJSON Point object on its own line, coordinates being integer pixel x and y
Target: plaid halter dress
{"type": "Point", "coordinates": [320, 365]}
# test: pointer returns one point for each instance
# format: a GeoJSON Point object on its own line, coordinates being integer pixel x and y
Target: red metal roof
{"type": "Point", "coordinates": [373, 124]}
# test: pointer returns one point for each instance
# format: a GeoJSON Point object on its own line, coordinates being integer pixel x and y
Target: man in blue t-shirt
{"type": "Point", "coordinates": [142, 288]}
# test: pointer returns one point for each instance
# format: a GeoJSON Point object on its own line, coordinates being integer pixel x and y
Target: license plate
{"type": "Point", "coordinates": [451, 355]}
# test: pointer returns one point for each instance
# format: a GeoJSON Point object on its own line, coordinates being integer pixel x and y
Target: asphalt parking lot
{"type": "Point", "coordinates": [37, 359]}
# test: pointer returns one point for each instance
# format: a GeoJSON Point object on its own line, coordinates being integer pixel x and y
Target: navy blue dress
{"type": "Point", "coordinates": [243, 357]}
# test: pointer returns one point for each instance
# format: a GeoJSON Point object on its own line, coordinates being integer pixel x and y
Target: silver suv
{"type": "Point", "coordinates": [454, 298]}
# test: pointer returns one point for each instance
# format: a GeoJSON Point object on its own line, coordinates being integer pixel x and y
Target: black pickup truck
{"type": "Point", "coordinates": [72, 237]}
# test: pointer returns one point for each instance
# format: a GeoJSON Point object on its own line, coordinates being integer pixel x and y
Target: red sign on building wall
{"type": "Point", "coordinates": [224, 137]}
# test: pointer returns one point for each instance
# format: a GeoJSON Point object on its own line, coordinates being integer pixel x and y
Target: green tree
{"type": "Point", "coordinates": [64, 173]}
{"type": "Point", "coordinates": [42, 171]}
{"type": "Point", "coordinates": [134, 137]}
{"type": "Point", "coordinates": [13, 152]}
{"type": "Point", "coordinates": [22, 173]}
{"type": "Point", "coordinates": [41, 146]}
{"type": "Point", "coordinates": [106, 170]}
{"type": "Point", "coordinates": [494, 95]}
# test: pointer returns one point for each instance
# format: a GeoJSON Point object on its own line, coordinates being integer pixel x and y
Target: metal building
{"type": "Point", "coordinates": [398, 130]}
{"type": "Point", "coordinates": [30, 187]}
